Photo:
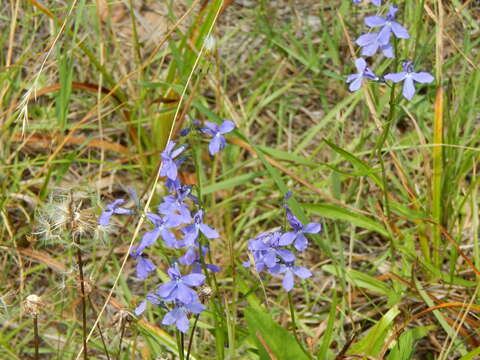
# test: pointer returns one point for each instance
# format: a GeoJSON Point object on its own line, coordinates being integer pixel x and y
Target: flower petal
{"type": "Point", "coordinates": [301, 243]}
{"type": "Point", "coordinates": [288, 281]}
{"type": "Point", "coordinates": [144, 267]}
{"type": "Point", "coordinates": [286, 255]}
{"type": "Point", "coordinates": [396, 77]}
{"type": "Point", "coordinates": [141, 308]}
{"type": "Point", "coordinates": [312, 228]}
{"type": "Point", "coordinates": [149, 238]}
{"type": "Point", "coordinates": [408, 88]}
{"type": "Point", "coordinates": [104, 218]}
{"type": "Point", "coordinates": [423, 77]}
{"type": "Point", "coordinates": [399, 31]}
{"type": "Point", "coordinates": [365, 40]}
{"type": "Point", "coordinates": [194, 279]}
{"type": "Point", "coordinates": [165, 290]}
{"type": "Point", "coordinates": [357, 84]}
{"type": "Point", "coordinates": [287, 238]}
{"type": "Point", "coordinates": [301, 272]}
{"type": "Point", "coordinates": [374, 21]}
{"type": "Point", "coordinates": [226, 127]}
{"type": "Point", "coordinates": [215, 144]}
{"type": "Point", "coordinates": [208, 231]}
{"type": "Point", "coordinates": [171, 317]}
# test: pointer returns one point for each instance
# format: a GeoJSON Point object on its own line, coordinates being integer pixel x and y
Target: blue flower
{"type": "Point", "coordinates": [370, 45]}
{"type": "Point", "coordinates": [364, 72]}
{"type": "Point", "coordinates": [161, 229]}
{"type": "Point", "coordinates": [389, 26]}
{"type": "Point", "coordinates": [218, 141]}
{"type": "Point", "coordinates": [144, 265]}
{"type": "Point", "coordinates": [113, 208]}
{"type": "Point", "coordinates": [408, 76]}
{"type": "Point", "coordinates": [174, 208]}
{"type": "Point", "coordinates": [152, 299]}
{"type": "Point", "coordinates": [178, 315]}
{"type": "Point", "coordinates": [191, 231]}
{"type": "Point", "coordinates": [169, 166]}
{"type": "Point", "coordinates": [297, 236]}
{"type": "Point", "coordinates": [290, 272]}
{"type": "Point", "coordinates": [179, 288]}
{"type": "Point", "coordinates": [267, 252]}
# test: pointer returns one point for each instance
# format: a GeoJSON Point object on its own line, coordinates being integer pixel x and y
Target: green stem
{"type": "Point", "coordinates": [179, 337]}
{"type": "Point", "coordinates": [84, 301]}
{"type": "Point", "coordinates": [190, 341]}
{"type": "Point", "coordinates": [35, 336]}
{"type": "Point", "coordinates": [294, 324]}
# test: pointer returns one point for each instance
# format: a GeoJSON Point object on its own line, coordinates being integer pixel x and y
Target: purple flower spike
{"type": "Point", "coordinates": [161, 229]}
{"type": "Point", "coordinates": [113, 208]}
{"type": "Point", "coordinates": [408, 76]}
{"type": "Point", "coordinates": [297, 236]}
{"type": "Point", "coordinates": [374, 2]}
{"type": "Point", "coordinates": [290, 272]}
{"type": "Point", "coordinates": [169, 166]}
{"type": "Point", "coordinates": [364, 72]}
{"type": "Point", "coordinates": [389, 26]}
{"type": "Point", "coordinates": [192, 231]}
{"type": "Point", "coordinates": [218, 141]}
{"type": "Point", "coordinates": [179, 288]}
{"type": "Point", "coordinates": [178, 315]}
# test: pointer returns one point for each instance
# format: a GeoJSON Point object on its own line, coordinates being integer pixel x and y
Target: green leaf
{"type": "Point", "coordinates": [403, 350]}
{"type": "Point", "coordinates": [372, 343]}
{"type": "Point", "coordinates": [288, 156]}
{"type": "Point", "coordinates": [338, 213]}
{"type": "Point", "coordinates": [359, 164]}
{"type": "Point", "coordinates": [231, 182]}
{"type": "Point", "coordinates": [360, 279]}
{"type": "Point", "coordinates": [326, 340]}
{"type": "Point", "coordinates": [279, 341]}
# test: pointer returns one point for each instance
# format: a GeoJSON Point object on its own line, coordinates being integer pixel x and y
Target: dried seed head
{"type": "Point", "coordinates": [32, 305]}
{"type": "Point", "coordinates": [205, 293]}
{"type": "Point", "coordinates": [63, 213]}
{"type": "Point", "coordinates": [87, 287]}
{"type": "Point", "coordinates": [122, 318]}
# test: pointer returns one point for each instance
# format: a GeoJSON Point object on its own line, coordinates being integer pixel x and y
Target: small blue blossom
{"type": "Point", "coordinates": [174, 207]}
{"type": "Point", "coordinates": [364, 72]}
{"type": "Point", "coordinates": [152, 299]}
{"type": "Point", "coordinates": [218, 141]}
{"type": "Point", "coordinates": [169, 166]}
{"type": "Point", "coordinates": [161, 229]}
{"type": "Point", "coordinates": [290, 271]}
{"type": "Point", "coordinates": [297, 236]}
{"type": "Point", "coordinates": [191, 231]}
{"type": "Point", "coordinates": [178, 315]}
{"type": "Point", "coordinates": [370, 45]}
{"type": "Point", "coordinates": [144, 265]}
{"type": "Point", "coordinates": [389, 26]}
{"type": "Point", "coordinates": [113, 208]}
{"type": "Point", "coordinates": [179, 289]}
{"type": "Point", "coordinates": [267, 252]}
{"type": "Point", "coordinates": [408, 76]}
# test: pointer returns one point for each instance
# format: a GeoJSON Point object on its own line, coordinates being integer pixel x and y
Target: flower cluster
{"type": "Point", "coordinates": [380, 40]}
{"type": "Point", "coordinates": [174, 216]}
{"type": "Point", "coordinates": [274, 251]}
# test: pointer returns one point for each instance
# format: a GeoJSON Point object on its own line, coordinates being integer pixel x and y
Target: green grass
{"type": "Point", "coordinates": [395, 183]}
